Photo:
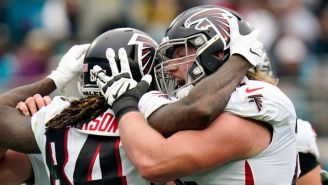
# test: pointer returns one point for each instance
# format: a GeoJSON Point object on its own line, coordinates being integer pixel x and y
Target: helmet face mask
{"type": "Point", "coordinates": [140, 49]}
{"type": "Point", "coordinates": [165, 81]}
{"type": "Point", "coordinates": [205, 28]}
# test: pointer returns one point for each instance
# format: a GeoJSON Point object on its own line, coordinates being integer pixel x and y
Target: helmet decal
{"type": "Point", "coordinates": [146, 46]}
{"type": "Point", "coordinates": [215, 18]}
{"type": "Point", "coordinates": [139, 47]}
{"type": "Point", "coordinates": [138, 38]}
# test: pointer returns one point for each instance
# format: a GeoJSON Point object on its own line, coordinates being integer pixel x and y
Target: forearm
{"type": "Point", "coordinates": [12, 97]}
{"type": "Point", "coordinates": [17, 133]}
{"type": "Point", "coordinates": [145, 154]}
{"type": "Point", "coordinates": [2, 152]}
{"type": "Point", "coordinates": [15, 168]}
{"type": "Point", "coordinates": [204, 103]}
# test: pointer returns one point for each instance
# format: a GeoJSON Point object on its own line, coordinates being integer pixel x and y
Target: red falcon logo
{"type": "Point", "coordinates": [257, 99]}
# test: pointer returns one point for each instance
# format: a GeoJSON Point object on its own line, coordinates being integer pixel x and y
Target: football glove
{"type": "Point", "coordinates": [70, 65]}
{"type": "Point", "coordinates": [120, 90]}
{"type": "Point", "coordinates": [247, 46]}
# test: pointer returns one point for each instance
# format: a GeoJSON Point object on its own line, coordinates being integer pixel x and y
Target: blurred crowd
{"type": "Point", "coordinates": [34, 34]}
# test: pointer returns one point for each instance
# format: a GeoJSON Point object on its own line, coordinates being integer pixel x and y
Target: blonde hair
{"type": "Point", "coordinates": [262, 76]}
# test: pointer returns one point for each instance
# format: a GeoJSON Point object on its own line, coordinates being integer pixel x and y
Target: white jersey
{"type": "Point", "coordinates": [276, 165]}
{"type": "Point", "coordinates": [90, 154]}
{"type": "Point", "coordinates": [306, 138]}
{"type": "Point", "coordinates": [39, 169]}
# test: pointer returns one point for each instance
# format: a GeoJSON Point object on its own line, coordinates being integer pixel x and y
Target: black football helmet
{"type": "Point", "coordinates": [140, 49]}
{"type": "Point", "coordinates": [205, 28]}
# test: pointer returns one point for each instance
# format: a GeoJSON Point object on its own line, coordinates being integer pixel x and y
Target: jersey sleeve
{"type": "Point", "coordinates": [39, 120]}
{"type": "Point", "coordinates": [261, 101]}
{"type": "Point", "coordinates": [153, 100]}
{"type": "Point", "coordinates": [306, 138]}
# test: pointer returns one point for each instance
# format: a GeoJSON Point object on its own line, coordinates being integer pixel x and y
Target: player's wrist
{"type": "Point", "coordinates": [242, 60]}
{"type": "Point", "coordinates": [129, 100]}
{"type": "Point", "coordinates": [57, 79]}
{"type": "Point", "coordinates": [124, 105]}
{"type": "Point", "coordinates": [60, 79]}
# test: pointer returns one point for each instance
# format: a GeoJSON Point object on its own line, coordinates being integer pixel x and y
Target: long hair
{"type": "Point", "coordinates": [262, 76]}
{"type": "Point", "coordinates": [79, 112]}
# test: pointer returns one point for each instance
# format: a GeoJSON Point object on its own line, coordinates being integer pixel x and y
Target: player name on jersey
{"type": "Point", "coordinates": [103, 125]}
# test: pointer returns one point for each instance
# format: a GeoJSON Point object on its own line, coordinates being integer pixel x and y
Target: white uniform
{"type": "Point", "coordinates": [90, 154]}
{"type": "Point", "coordinates": [306, 138]}
{"type": "Point", "coordinates": [39, 169]}
{"type": "Point", "coordinates": [276, 165]}
{"type": "Point", "coordinates": [306, 147]}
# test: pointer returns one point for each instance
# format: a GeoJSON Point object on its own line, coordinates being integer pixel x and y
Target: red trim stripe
{"type": "Point", "coordinates": [119, 161]}
{"type": "Point", "coordinates": [66, 155]}
{"type": "Point", "coordinates": [249, 179]}
{"type": "Point", "coordinates": [50, 151]}
{"type": "Point", "coordinates": [118, 158]}
{"type": "Point", "coordinates": [92, 162]}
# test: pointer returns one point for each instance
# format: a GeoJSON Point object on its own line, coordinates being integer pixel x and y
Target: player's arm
{"type": "Point", "coordinates": [205, 101]}
{"type": "Point", "coordinates": [189, 152]}
{"type": "Point", "coordinates": [308, 154]}
{"type": "Point", "coordinates": [15, 168]}
{"type": "Point", "coordinates": [2, 153]}
{"type": "Point", "coordinates": [210, 96]}
{"type": "Point", "coordinates": [17, 132]}
{"type": "Point", "coordinates": [309, 177]}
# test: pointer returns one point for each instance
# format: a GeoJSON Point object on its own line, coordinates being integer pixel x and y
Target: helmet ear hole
{"type": "Point", "coordinates": [208, 58]}
{"type": "Point", "coordinates": [219, 55]}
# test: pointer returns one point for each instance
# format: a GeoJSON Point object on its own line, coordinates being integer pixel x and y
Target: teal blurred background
{"type": "Point", "coordinates": [34, 34]}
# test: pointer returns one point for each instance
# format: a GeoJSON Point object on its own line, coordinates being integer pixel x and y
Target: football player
{"type": "Point", "coordinates": [306, 145]}
{"type": "Point", "coordinates": [233, 149]}
{"type": "Point", "coordinates": [74, 146]}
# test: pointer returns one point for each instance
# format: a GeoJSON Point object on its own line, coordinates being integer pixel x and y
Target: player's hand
{"type": "Point", "coordinates": [33, 104]}
{"type": "Point", "coordinates": [120, 90]}
{"type": "Point", "coordinates": [70, 65]}
{"type": "Point", "coordinates": [247, 46]}
{"type": "Point", "coordinates": [120, 82]}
